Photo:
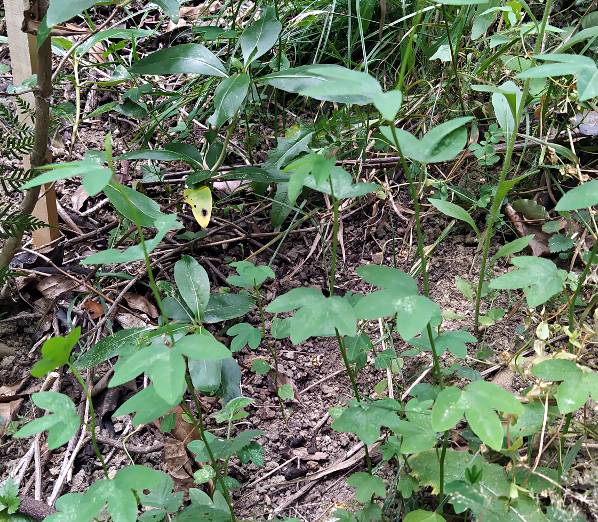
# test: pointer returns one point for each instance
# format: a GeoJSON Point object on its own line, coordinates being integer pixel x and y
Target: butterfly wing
{"type": "Point", "coordinates": [200, 201]}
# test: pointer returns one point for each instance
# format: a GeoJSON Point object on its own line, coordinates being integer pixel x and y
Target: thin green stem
{"type": "Point", "coordinates": [580, 283]}
{"type": "Point", "coordinates": [333, 260]}
{"type": "Point", "coordinates": [92, 418]}
{"type": "Point", "coordinates": [353, 381]}
{"type": "Point", "coordinates": [453, 59]}
{"type": "Point", "coordinates": [409, 51]}
{"type": "Point", "coordinates": [199, 426]}
{"type": "Point", "coordinates": [420, 250]}
{"type": "Point", "coordinates": [498, 197]}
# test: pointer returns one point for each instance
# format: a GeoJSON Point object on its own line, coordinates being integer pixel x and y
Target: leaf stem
{"type": "Point", "coordinates": [497, 201]}
{"type": "Point", "coordinates": [92, 417]}
{"type": "Point", "coordinates": [199, 425]}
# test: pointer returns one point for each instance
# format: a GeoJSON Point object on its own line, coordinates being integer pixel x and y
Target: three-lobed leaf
{"type": "Point", "coordinates": [539, 278]}
{"type": "Point", "coordinates": [61, 424]}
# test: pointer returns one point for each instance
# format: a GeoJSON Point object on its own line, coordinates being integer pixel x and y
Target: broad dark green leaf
{"type": "Point", "coordinates": [584, 196]}
{"type": "Point", "coordinates": [228, 98]}
{"type": "Point", "coordinates": [180, 59]}
{"type": "Point", "coordinates": [257, 39]}
{"type": "Point", "coordinates": [327, 83]}
{"type": "Point", "coordinates": [193, 284]}
{"type": "Point", "coordinates": [60, 10]}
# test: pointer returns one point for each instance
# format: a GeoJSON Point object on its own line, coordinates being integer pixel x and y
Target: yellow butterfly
{"type": "Point", "coordinates": [200, 200]}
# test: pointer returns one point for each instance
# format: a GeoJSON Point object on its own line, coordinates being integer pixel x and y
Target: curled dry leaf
{"type": "Point", "coordinates": [10, 403]}
{"type": "Point", "coordinates": [79, 197]}
{"type": "Point", "coordinates": [539, 244]}
{"type": "Point", "coordinates": [141, 303]}
{"type": "Point", "coordinates": [93, 308]}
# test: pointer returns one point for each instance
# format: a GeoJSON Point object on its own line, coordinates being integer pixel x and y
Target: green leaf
{"type": "Point", "coordinates": [477, 401]}
{"type": "Point", "coordinates": [222, 448]}
{"type": "Point", "coordinates": [560, 243]}
{"type": "Point", "coordinates": [61, 424]}
{"type": "Point", "coordinates": [202, 347]}
{"type": "Point", "coordinates": [454, 211]}
{"type": "Point", "coordinates": [257, 39]}
{"type": "Point", "coordinates": [249, 275]}
{"type": "Point", "coordinates": [285, 392]}
{"type": "Point", "coordinates": [136, 252]}
{"type": "Point", "coordinates": [123, 342]}
{"type": "Point", "coordinates": [417, 432]}
{"type": "Point", "coordinates": [180, 59]}
{"type": "Point", "coordinates": [464, 286]}
{"type": "Point", "coordinates": [413, 314]}
{"type": "Point", "coordinates": [442, 143]}
{"type": "Point", "coordinates": [366, 486]}
{"type": "Point", "coordinates": [60, 11]}
{"type": "Point", "coordinates": [95, 175]}
{"type": "Point", "coordinates": [206, 375]}
{"type": "Point", "coordinates": [462, 2]}
{"type": "Point", "coordinates": [342, 184]}
{"type": "Point", "coordinates": [119, 494]}
{"type": "Point", "coordinates": [327, 82]}
{"type": "Point", "coordinates": [164, 366]}
{"type": "Point", "coordinates": [420, 515]}
{"type": "Point", "coordinates": [56, 352]}
{"type": "Point", "coordinates": [582, 67]}
{"type": "Point", "coordinates": [148, 405]}
{"type": "Point", "coordinates": [173, 152]}
{"type": "Point", "coordinates": [576, 386]}
{"type": "Point", "coordinates": [448, 409]}
{"type": "Point", "coordinates": [223, 307]}
{"type": "Point", "coordinates": [244, 335]}
{"type": "Point", "coordinates": [513, 247]}
{"type": "Point", "coordinates": [9, 496]}
{"type": "Point", "coordinates": [260, 366]}
{"type": "Point", "coordinates": [583, 196]}
{"type": "Point", "coordinates": [388, 104]}
{"type": "Point", "coordinates": [228, 98]}
{"type": "Point", "coordinates": [365, 419]}
{"type": "Point", "coordinates": [506, 101]}
{"type": "Point", "coordinates": [494, 396]}
{"type": "Point", "coordinates": [134, 205]}
{"type": "Point", "coordinates": [530, 209]}
{"type": "Point", "coordinates": [170, 8]}
{"type": "Point", "coordinates": [539, 278]}
{"type": "Point", "coordinates": [386, 277]}
{"type": "Point", "coordinates": [115, 33]}
{"type": "Point", "coordinates": [193, 284]}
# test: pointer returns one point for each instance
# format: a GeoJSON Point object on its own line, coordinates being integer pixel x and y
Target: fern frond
{"type": "Point", "coordinates": [18, 144]}
{"type": "Point", "coordinates": [11, 178]}
{"type": "Point", "coordinates": [13, 223]}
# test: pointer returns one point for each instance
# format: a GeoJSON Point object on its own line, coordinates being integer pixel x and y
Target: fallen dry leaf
{"type": "Point", "coordinates": [94, 309]}
{"type": "Point", "coordinates": [539, 244]}
{"type": "Point", "coordinates": [141, 303]}
{"type": "Point", "coordinates": [128, 320]}
{"type": "Point", "coordinates": [56, 285]}
{"type": "Point", "coordinates": [79, 197]}
{"type": "Point", "coordinates": [177, 462]}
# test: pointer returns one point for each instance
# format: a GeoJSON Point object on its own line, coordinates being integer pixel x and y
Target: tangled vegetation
{"type": "Point", "coordinates": [469, 118]}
